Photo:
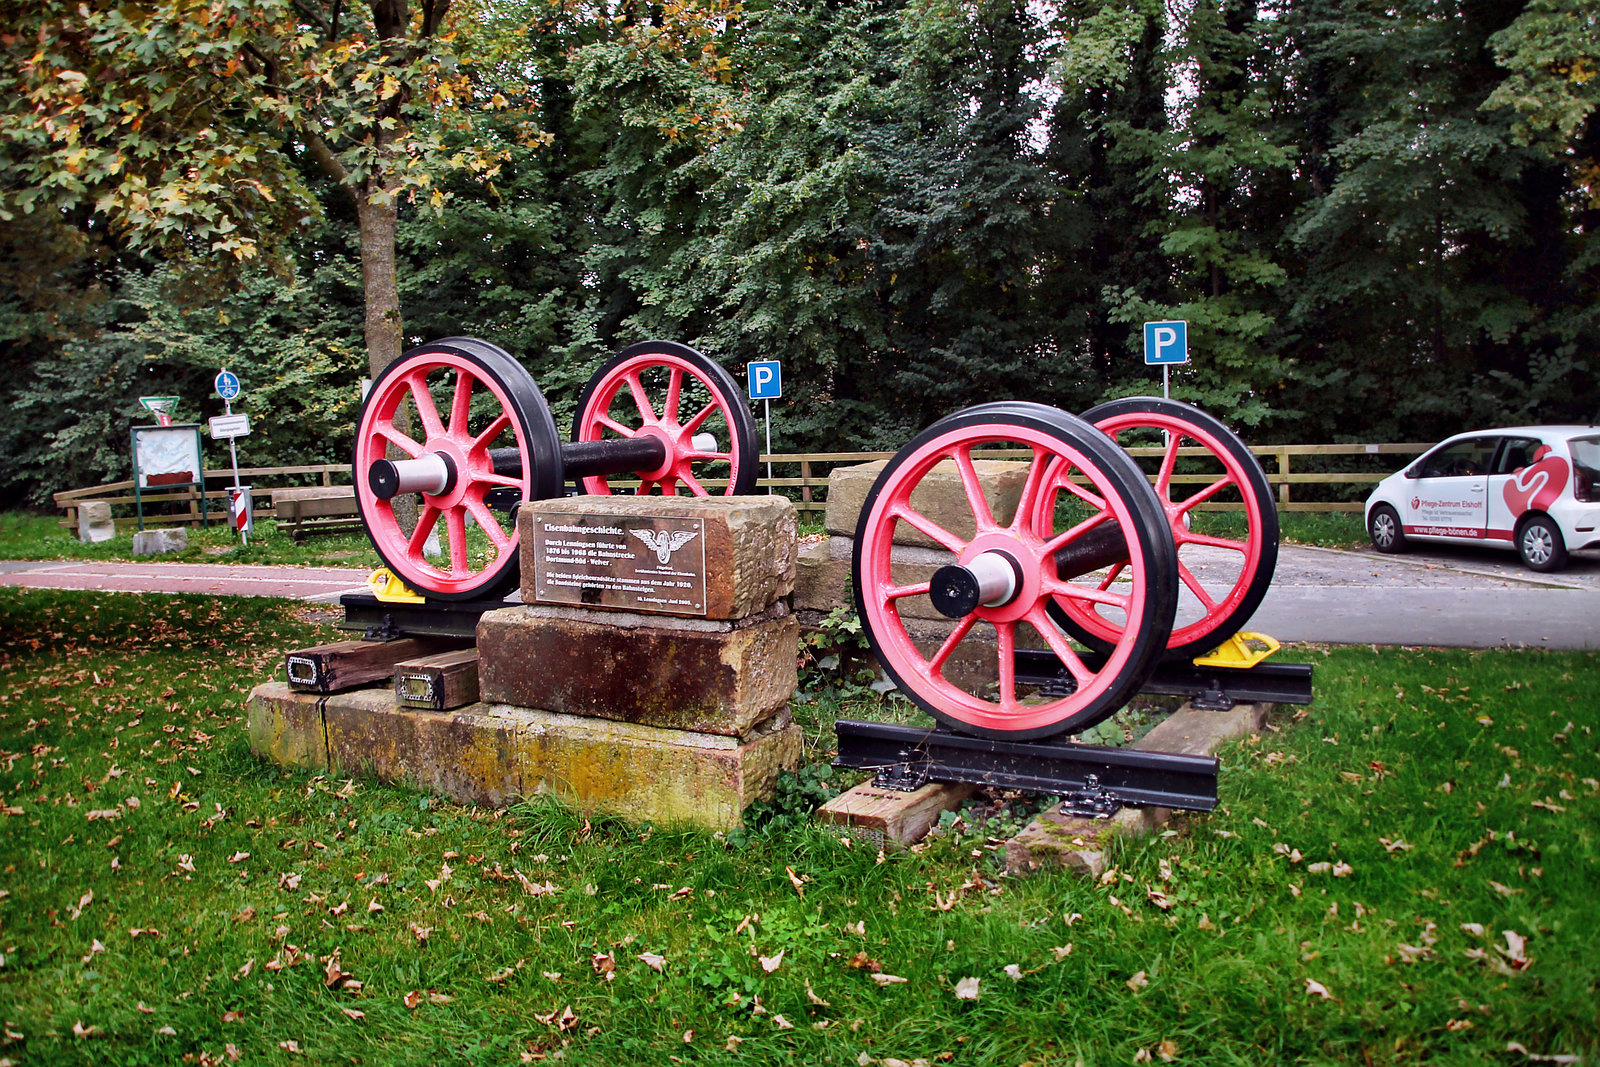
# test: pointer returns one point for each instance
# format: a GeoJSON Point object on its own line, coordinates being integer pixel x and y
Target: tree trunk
{"type": "Point", "coordinates": [378, 224]}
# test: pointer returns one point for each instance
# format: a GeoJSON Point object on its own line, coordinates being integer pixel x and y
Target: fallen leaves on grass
{"type": "Point", "coordinates": [888, 979]}
{"type": "Point", "coordinates": [1315, 988]}
{"type": "Point", "coordinates": [1138, 981]}
{"type": "Point", "coordinates": [334, 976]}
{"type": "Point", "coordinates": [967, 988]}
{"type": "Point", "coordinates": [532, 888]}
{"type": "Point", "coordinates": [771, 963]}
{"type": "Point", "coordinates": [651, 960]}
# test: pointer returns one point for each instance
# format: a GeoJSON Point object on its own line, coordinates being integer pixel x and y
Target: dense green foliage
{"type": "Point", "coordinates": [1380, 221]}
{"type": "Point", "coordinates": [1402, 873]}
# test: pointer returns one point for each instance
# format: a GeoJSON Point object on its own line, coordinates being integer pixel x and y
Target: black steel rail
{"type": "Point", "coordinates": [914, 754]}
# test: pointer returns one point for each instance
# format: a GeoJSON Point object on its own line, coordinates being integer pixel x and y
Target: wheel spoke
{"type": "Point", "coordinates": [1039, 473]}
{"type": "Point", "coordinates": [669, 410]}
{"type": "Point", "coordinates": [425, 523]}
{"type": "Point", "coordinates": [461, 404]}
{"type": "Point", "coordinates": [1006, 634]}
{"type": "Point", "coordinates": [403, 442]}
{"type": "Point", "coordinates": [641, 399]}
{"type": "Point", "coordinates": [979, 503]}
{"type": "Point", "coordinates": [957, 635]}
{"type": "Point", "coordinates": [423, 401]}
{"type": "Point", "coordinates": [929, 527]}
{"type": "Point", "coordinates": [1056, 543]}
{"type": "Point", "coordinates": [490, 478]}
{"type": "Point", "coordinates": [1040, 619]}
{"type": "Point", "coordinates": [455, 526]}
{"type": "Point", "coordinates": [1096, 502]}
{"type": "Point", "coordinates": [701, 416]}
{"type": "Point", "coordinates": [612, 424]}
{"type": "Point", "coordinates": [1111, 575]}
{"type": "Point", "coordinates": [1083, 592]}
{"type": "Point", "coordinates": [1195, 587]}
{"type": "Point", "coordinates": [494, 430]}
{"type": "Point", "coordinates": [1188, 537]}
{"type": "Point", "coordinates": [490, 524]}
{"type": "Point", "coordinates": [895, 592]}
{"type": "Point", "coordinates": [1207, 493]}
{"type": "Point", "coordinates": [688, 479]}
{"type": "Point", "coordinates": [1168, 462]}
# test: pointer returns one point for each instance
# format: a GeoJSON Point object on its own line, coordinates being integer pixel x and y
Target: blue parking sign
{"type": "Point", "coordinates": [765, 379]}
{"type": "Point", "coordinates": [1166, 343]}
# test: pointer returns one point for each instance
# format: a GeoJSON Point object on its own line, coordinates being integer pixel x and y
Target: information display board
{"type": "Point", "coordinates": [644, 562]}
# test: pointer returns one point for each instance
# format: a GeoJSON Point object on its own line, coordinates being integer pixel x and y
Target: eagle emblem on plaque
{"type": "Point", "coordinates": [664, 543]}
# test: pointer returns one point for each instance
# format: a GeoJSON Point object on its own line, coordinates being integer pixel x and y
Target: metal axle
{"type": "Point", "coordinates": [992, 578]}
{"type": "Point", "coordinates": [435, 473]}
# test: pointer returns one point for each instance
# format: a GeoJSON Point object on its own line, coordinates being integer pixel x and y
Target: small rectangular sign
{"type": "Point", "coordinates": [1166, 343]}
{"type": "Point", "coordinates": [226, 426]}
{"type": "Point", "coordinates": [765, 378]}
{"type": "Point", "coordinates": [641, 562]}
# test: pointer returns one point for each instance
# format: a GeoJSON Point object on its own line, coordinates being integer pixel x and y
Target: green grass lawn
{"type": "Point", "coordinates": [1405, 872]}
{"type": "Point", "coordinates": [27, 536]}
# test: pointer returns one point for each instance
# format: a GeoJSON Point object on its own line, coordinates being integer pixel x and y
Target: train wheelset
{"type": "Point", "coordinates": [1095, 585]}
{"type": "Point", "coordinates": [460, 429]}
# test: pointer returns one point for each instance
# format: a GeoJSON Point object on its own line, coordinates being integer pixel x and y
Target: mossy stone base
{"type": "Point", "coordinates": [491, 755]}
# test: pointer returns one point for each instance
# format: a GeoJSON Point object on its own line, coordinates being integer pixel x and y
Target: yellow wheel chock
{"type": "Point", "coordinates": [1242, 650]}
{"type": "Point", "coordinates": [390, 589]}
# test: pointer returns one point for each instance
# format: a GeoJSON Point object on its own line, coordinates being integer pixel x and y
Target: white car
{"type": "Point", "coordinates": [1535, 488]}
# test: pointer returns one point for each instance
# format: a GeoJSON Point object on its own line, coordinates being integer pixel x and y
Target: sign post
{"type": "Point", "coordinates": [1166, 343]}
{"type": "Point", "coordinates": [765, 378]}
{"type": "Point", "coordinates": [234, 426]}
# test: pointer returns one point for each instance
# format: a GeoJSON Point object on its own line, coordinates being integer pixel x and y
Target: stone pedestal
{"type": "Point", "coordinates": [651, 665]}
{"type": "Point", "coordinates": [492, 754]}
{"type": "Point", "coordinates": [940, 496]}
{"type": "Point", "coordinates": [712, 676]}
{"type": "Point", "coordinates": [648, 674]}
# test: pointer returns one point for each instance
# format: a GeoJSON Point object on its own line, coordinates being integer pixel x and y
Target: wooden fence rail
{"type": "Point", "coordinates": [812, 471]}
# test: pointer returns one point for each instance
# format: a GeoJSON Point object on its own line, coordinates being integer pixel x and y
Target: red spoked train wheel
{"type": "Point", "coordinates": [1064, 451]}
{"type": "Point", "coordinates": [470, 436]}
{"type": "Point", "coordinates": [1201, 462]}
{"type": "Point", "coordinates": [689, 403]}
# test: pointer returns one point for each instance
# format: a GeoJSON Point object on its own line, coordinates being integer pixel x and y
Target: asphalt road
{"type": "Point", "coordinates": [1465, 598]}
{"type": "Point", "coordinates": [1461, 598]}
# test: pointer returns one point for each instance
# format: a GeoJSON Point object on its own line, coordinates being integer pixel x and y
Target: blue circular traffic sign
{"type": "Point", "coordinates": [228, 385]}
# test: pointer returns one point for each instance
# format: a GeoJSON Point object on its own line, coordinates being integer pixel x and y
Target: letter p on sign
{"type": "Point", "coordinates": [1166, 342]}
{"type": "Point", "coordinates": [765, 379]}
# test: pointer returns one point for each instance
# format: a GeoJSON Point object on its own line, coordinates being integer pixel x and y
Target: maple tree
{"type": "Point", "coordinates": [184, 127]}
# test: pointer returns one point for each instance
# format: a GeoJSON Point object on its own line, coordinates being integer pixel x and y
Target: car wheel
{"type": "Point", "coordinates": [1383, 526]}
{"type": "Point", "coordinates": [1540, 544]}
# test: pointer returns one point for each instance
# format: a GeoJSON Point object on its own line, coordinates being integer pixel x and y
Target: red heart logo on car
{"type": "Point", "coordinates": [1536, 487]}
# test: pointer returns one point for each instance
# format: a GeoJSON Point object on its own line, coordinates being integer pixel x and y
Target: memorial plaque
{"type": "Point", "coordinates": [634, 562]}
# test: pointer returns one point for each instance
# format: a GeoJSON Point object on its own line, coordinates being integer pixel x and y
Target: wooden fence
{"type": "Point", "coordinates": [1277, 462]}
{"type": "Point", "coordinates": [808, 486]}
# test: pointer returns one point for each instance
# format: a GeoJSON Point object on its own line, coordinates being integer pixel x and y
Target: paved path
{"type": "Point", "coordinates": [1462, 598]}
{"type": "Point", "coordinates": [1465, 598]}
{"type": "Point", "coordinates": [299, 583]}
